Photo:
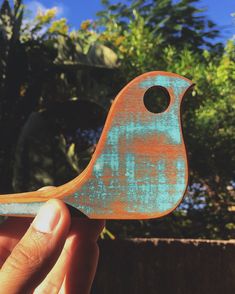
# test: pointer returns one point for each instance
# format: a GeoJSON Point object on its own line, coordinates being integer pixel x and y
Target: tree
{"type": "Point", "coordinates": [41, 62]}
{"type": "Point", "coordinates": [177, 24]}
{"type": "Point", "coordinates": [144, 43]}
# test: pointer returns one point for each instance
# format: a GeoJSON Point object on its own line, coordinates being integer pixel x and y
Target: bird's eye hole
{"type": "Point", "coordinates": [156, 99]}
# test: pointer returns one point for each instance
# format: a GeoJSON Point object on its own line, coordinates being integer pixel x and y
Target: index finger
{"type": "Point", "coordinates": [38, 250]}
{"type": "Point", "coordinates": [11, 231]}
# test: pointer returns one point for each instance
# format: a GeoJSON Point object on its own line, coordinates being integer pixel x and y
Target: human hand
{"type": "Point", "coordinates": [53, 254]}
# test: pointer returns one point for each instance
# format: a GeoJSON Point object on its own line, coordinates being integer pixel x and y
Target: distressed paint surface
{"type": "Point", "coordinates": [139, 169]}
{"type": "Point", "coordinates": [142, 169]}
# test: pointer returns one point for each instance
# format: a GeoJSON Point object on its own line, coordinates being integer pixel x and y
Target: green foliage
{"type": "Point", "coordinates": [209, 128]}
{"type": "Point", "coordinates": [134, 46]}
{"type": "Point", "coordinates": [145, 38]}
{"type": "Point", "coordinates": [176, 24]}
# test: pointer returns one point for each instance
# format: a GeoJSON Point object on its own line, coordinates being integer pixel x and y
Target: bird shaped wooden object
{"type": "Point", "coordinates": [139, 169]}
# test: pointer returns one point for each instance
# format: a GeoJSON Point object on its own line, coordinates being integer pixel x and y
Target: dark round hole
{"type": "Point", "coordinates": [156, 99]}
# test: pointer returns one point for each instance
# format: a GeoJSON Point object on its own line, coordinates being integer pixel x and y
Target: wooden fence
{"type": "Point", "coordinates": [162, 266]}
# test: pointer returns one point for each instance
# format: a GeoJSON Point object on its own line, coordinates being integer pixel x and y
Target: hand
{"type": "Point", "coordinates": [53, 254]}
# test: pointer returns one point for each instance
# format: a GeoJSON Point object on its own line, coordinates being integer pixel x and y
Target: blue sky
{"type": "Point", "coordinates": [78, 10]}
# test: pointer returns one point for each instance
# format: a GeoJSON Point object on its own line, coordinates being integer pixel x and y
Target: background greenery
{"type": "Point", "coordinates": [43, 61]}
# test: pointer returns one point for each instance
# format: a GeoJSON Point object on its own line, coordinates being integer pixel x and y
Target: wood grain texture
{"type": "Point", "coordinates": [139, 169]}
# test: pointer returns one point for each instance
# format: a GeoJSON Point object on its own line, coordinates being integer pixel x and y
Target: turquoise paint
{"type": "Point", "coordinates": [180, 175]}
{"type": "Point", "coordinates": [178, 84]}
{"type": "Point", "coordinates": [132, 193]}
{"type": "Point", "coordinates": [168, 125]}
{"type": "Point", "coordinates": [161, 165]}
{"type": "Point", "coordinates": [147, 194]}
{"type": "Point", "coordinates": [171, 123]}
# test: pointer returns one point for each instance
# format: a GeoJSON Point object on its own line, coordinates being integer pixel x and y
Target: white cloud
{"type": "Point", "coordinates": [33, 7]}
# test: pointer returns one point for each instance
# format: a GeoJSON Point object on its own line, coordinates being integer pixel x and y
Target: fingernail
{"type": "Point", "coordinates": [47, 217]}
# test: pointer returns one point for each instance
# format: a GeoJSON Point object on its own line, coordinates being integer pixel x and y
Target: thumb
{"type": "Point", "coordinates": [36, 253]}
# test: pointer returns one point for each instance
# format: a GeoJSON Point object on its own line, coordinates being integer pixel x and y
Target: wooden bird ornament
{"type": "Point", "coordinates": [139, 169]}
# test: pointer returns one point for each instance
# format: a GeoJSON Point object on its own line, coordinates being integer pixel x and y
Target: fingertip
{"type": "Point", "coordinates": [60, 207]}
